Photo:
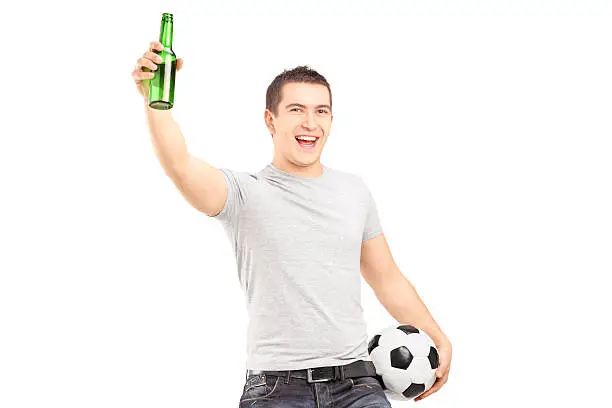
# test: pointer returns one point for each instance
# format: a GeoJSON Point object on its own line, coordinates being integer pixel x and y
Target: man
{"type": "Point", "coordinates": [302, 232]}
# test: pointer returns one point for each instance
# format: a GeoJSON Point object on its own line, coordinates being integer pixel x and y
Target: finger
{"type": "Point", "coordinates": [426, 394]}
{"type": "Point", "coordinates": [444, 367]}
{"type": "Point", "coordinates": [430, 391]}
{"type": "Point", "coordinates": [155, 45]}
{"type": "Point", "coordinates": [441, 371]}
{"type": "Point", "coordinates": [444, 370]}
{"type": "Point", "coordinates": [141, 76]}
{"type": "Point", "coordinates": [179, 63]}
{"type": "Point", "coordinates": [438, 384]}
{"type": "Point", "coordinates": [153, 57]}
{"type": "Point", "coordinates": [145, 62]}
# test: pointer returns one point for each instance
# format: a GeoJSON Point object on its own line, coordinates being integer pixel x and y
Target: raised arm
{"type": "Point", "coordinates": [201, 184]}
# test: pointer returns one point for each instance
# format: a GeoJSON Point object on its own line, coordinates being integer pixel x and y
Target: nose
{"type": "Point", "coordinates": [309, 121]}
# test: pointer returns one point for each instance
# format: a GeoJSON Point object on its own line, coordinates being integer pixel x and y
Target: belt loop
{"type": "Point", "coordinates": [288, 376]}
{"type": "Point", "coordinates": [341, 373]}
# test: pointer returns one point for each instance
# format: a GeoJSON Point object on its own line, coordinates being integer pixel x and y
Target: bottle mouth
{"type": "Point", "coordinates": [167, 17]}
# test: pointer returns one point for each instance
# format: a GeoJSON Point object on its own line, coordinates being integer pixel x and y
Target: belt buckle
{"type": "Point", "coordinates": [309, 377]}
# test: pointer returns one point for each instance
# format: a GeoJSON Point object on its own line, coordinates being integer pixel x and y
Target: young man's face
{"type": "Point", "coordinates": [303, 110]}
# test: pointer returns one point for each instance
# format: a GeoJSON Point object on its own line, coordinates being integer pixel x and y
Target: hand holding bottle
{"type": "Point", "coordinates": [148, 62]}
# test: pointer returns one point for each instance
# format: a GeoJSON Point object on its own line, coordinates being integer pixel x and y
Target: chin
{"type": "Point", "coordinates": [311, 160]}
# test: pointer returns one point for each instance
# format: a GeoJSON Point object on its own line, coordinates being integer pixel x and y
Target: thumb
{"type": "Point", "coordinates": [179, 63]}
{"type": "Point", "coordinates": [440, 372]}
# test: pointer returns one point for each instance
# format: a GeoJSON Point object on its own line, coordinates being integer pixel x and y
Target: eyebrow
{"type": "Point", "coordinates": [304, 106]}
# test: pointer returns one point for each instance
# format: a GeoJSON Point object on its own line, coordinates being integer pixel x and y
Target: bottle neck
{"type": "Point", "coordinates": [165, 34]}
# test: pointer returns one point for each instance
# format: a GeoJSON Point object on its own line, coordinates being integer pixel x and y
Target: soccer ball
{"type": "Point", "coordinates": [406, 360]}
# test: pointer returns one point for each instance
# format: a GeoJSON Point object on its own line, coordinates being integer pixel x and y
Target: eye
{"type": "Point", "coordinates": [294, 109]}
{"type": "Point", "coordinates": [323, 110]}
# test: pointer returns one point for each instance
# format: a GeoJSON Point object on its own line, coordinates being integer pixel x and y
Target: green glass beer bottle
{"type": "Point", "coordinates": [161, 87]}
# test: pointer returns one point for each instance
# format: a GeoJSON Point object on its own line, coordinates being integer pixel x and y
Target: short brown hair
{"type": "Point", "coordinates": [303, 74]}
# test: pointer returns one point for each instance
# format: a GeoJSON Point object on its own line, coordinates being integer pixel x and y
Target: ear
{"type": "Point", "coordinates": [269, 119]}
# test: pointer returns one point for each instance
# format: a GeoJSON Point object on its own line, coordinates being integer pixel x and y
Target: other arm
{"type": "Point", "coordinates": [394, 291]}
{"type": "Point", "coordinates": [401, 300]}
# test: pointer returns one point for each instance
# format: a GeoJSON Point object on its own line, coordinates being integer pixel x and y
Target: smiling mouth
{"type": "Point", "coordinates": [307, 144]}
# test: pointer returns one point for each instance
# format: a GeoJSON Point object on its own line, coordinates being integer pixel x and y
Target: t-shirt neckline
{"type": "Point", "coordinates": [295, 176]}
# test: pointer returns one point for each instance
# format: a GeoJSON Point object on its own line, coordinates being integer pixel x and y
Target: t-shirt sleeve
{"type": "Point", "coordinates": [372, 225]}
{"type": "Point", "coordinates": [237, 195]}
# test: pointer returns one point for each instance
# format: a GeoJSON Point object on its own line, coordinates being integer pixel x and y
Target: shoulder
{"type": "Point", "coordinates": [239, 182]}
{"type": "Point", "coordinates": [239, 175]}
{"type": "Point", "coordinates": [346, 176]}
{"type": "Point", "coordinates": [355, 181]}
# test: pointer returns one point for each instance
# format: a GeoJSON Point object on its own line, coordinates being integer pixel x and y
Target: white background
{"type": "Point", "coordinates": [483, 129]}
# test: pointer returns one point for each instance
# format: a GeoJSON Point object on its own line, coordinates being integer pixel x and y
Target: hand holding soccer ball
{"type": "Point", "coordinates": [407, 360]}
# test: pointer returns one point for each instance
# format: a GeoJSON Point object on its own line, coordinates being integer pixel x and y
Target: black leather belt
{"type": "Point", "coordinates": [359, 368]}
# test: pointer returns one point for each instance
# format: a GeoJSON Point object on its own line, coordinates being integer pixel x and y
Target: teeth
{"type": "Point", "coordinates": [307, 138]}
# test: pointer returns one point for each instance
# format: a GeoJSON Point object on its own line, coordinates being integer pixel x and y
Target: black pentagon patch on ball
{"type": "Point", "coordinates": [373, 343]}
{"type": "Point", "coordinates": [413, 390]}
{"type": "Point", "coordinates": [433, 357]}
{"type": "Point", "coordinates": [408, 329]}
{"type": "Point", "coordinates": [401, 357]}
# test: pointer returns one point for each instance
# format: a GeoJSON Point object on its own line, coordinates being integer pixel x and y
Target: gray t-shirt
{"type": "Point", "coordinates": [297, 242]}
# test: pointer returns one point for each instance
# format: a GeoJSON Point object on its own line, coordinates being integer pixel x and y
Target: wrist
{"type": "Point", "coordinates": [442, 341]}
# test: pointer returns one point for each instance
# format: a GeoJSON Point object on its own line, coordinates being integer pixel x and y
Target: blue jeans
{"type": "Point", "coordinates": [270, 391]}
